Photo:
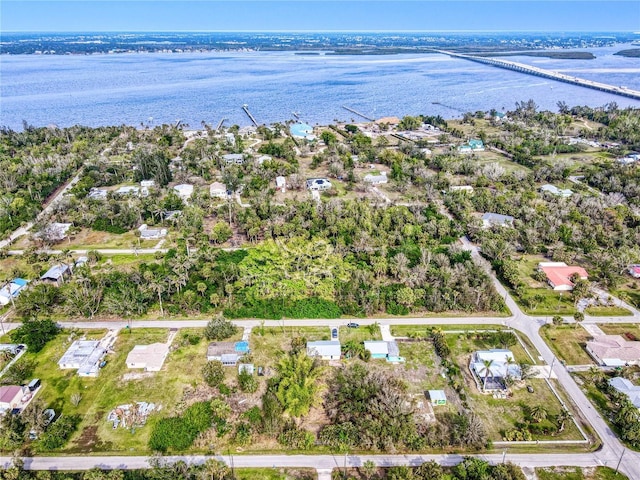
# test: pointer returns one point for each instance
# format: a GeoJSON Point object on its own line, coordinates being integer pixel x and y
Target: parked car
{"type": "Point", "coordinates": [334, 333]}
{"type": "Point", "coordinates": [353, 325]}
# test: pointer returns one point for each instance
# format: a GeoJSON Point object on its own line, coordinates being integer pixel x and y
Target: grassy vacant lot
{"type": "Point", "coordinates": [276, 474]}
{"type": "Point", "coordinates": [568, 342]}
{"type": "Point", "coordinates": [117, 385]}
{"type": "Point", "coordinates": [577, 473]}
{"type": "Point", "coordinates": [418, 331]}
{"type": "Point", "coordinates": [620, 329]}
{"type": "Point", "coordinates": [602, 311]}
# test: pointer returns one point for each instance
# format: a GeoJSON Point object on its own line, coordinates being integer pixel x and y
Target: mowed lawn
{"type": "Point", "coordinates": [112, 388]}
{"type": "Point", "coordinates": [568, 343]}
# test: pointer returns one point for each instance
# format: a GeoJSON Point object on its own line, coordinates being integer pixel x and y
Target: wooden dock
{"type": "Point", "coordinates": [220, 124]}
{"type": "Point", "coordinates": [540, 72]}
{"type": "Point", "coordinates": [358, 113]}
{"type": "Point", "coordinates": [245, 107]}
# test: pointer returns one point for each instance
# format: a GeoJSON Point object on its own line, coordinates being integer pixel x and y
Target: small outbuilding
{"type": "Point", "coordinates": [56, 274]}
{"type": "Point", "coordinates": [437, 397]}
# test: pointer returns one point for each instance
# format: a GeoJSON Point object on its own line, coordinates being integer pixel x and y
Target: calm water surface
{"type": "Point", "coordinates": [161, 88]}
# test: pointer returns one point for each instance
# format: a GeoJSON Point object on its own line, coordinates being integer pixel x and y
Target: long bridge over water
{"type": "Point", "coordinates": [540, 72]}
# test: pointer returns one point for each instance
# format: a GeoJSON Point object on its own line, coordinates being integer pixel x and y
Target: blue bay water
{"type": "Point", "coordinates": [194, 87]}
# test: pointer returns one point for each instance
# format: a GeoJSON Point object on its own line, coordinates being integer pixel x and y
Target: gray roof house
{"type": "Point", "coordinates": [627, 388]}
{"type": "Point", "coordinates": [324, 349]}
{"type": "Point", "coordinates": [233, 158]}
{"type": "Point", "coordinates": [56, 273]}
{"type": "Point", "coordinates": [318, 184]}
{"type": "Point", "coordinates": [147, 233]}
{"type": "Point", "coordinates": [491, 219]}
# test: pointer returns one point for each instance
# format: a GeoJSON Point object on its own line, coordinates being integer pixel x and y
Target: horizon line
{"type": "Point", "coordinates": [323, 31]}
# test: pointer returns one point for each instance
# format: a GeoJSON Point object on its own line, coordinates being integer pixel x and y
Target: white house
{"type": "Point", "coordinates": [490, 368]}
{"type": "Point", "coordinates": [218, 190]}
{"type": "Point", "coordinates": [318, 184]}
{"type": "Point", "coordinates": [184, 191]}
{"type": "Point", "coordinates": [148, 357]}
{"type": "Point", "coordinates": [281, 183]}
{"type": "Point", "coordinates": [136, 191]}
{"type": "Point", "coordinates": [97, 194]}
{"type": "Point", "coordinates": [324, 349]}
{"type": "Point", "coordinates": [558, 192]}
{"type": "Point", "coordinates": [148, 183]}
{"type": "Point", "coordinates": [230, 138]}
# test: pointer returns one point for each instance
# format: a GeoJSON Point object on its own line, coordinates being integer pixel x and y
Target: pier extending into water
{"type": "Point", "coordinates": [540, 72]}
{"type": "Point", "coordinates": [245, 107]}
{"type": "Point", "coordinates": [358, 113]}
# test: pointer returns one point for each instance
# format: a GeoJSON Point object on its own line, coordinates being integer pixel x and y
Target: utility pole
{"type": "Point", "coordinates": [504, 454]}
{"type": "Point", "coordinates": [620, 460]}
{"type": "Point", "coordinates": [551, 367]}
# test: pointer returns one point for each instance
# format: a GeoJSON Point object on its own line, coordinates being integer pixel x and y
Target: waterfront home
{"type": "Point", "coordinates": [559, 274]}
{"type": "Point", "coordinates": [613, 350]}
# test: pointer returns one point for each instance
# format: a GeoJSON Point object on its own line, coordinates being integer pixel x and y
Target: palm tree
{"type": "Point", "coordinates": [562, 418]}
{"type": "Point", "coordinates": [538, 413]}
{"type": "Point", "coordinates": [486, 368]}
{"type": "Point", "coordinates": [508, 362]}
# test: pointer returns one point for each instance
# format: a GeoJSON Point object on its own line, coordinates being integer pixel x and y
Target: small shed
{"type": "Point", "coordinates": [437, 397]}
{"type": "Point", "coordinates": [246, 367]}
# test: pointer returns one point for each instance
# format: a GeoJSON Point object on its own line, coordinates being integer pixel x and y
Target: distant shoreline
{"type": "Point", "coordinates": [630, 53]}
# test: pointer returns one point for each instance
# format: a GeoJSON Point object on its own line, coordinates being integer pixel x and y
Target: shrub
{"type": "Point", "coordinates": [178, 433]}
{"type": "Point", "coordinates": [247, 382]}
{"type": "Point", "coordinates": [213, 373]}
{"type": "Point", "coordinates": [35, 333]}
{"type": "Point", "coordinates": [58, 433]}
{"type": "Point", "coordinates": [219, 329]}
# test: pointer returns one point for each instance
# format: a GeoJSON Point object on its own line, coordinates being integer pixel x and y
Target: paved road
{"type": "Point", "coordinates": [609, 454]}
{"type": "Point", "coordinates": [45, 211]}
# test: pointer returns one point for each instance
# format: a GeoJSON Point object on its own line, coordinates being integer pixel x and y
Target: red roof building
{"type": "Point", "coordinates": [559, 274]}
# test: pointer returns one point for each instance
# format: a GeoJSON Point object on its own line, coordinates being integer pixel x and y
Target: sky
{"type": "Point", "coordinates": [312, 15]}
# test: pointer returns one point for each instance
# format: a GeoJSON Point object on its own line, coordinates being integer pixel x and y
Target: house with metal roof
{"type": "Point", "coordinates": [233, 158]}
{"type": "Point", "coordinates": [10, 397]}
{"type": "Point", "coordinates": [147, 233]}
{"type": "Point", "coordinates": [218, 190]}
{"type": "Point", "coordinates": [84, 356]}
{"type": "Point", "coordinates": [56, 274]}
{"type": "Point", "coordinates": [184, 191]}
{"type": "Point", "coordinates": [437, 397]}
{"type": "Point", "coordinates": [376, 179]}
{"type": "Point", "coordinates": [324, 349]}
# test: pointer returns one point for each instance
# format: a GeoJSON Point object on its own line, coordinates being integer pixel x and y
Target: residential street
{"type": "Point", "coordinates": [609, 454]}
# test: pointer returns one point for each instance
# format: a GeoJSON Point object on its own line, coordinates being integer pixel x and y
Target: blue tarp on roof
{"type": "Point", "coordinates": [20, 281]}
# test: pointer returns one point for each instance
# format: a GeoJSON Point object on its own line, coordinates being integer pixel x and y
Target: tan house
{"type": "Point", "coordinates": [148, 357]}
{"type": "Point", "coordinates": [10, 397]}
{"type": "Point", "coordinates": [614, 350]}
